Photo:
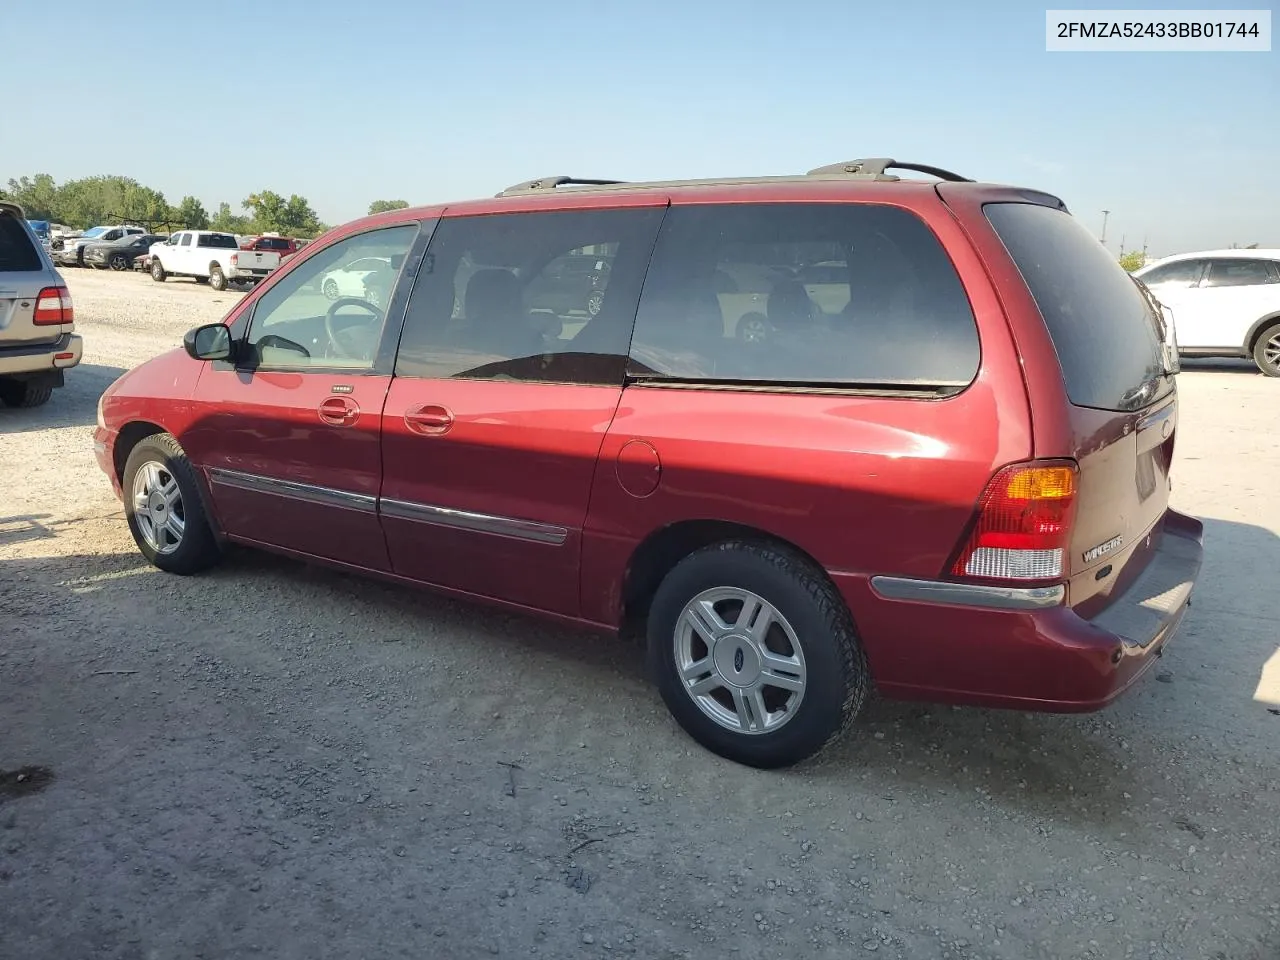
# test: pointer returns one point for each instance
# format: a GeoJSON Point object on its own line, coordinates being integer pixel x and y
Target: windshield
{"type": "Point", "coordinates": [95, 232]}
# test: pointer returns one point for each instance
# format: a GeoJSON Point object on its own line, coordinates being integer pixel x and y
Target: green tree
{"type": "Point", "coordinates": [272, 213]}
{"type": "Point", "coordinates": [192, 214]}
{"type": "Point", "coordinates": [38, 196]}
{"type": "Point", "coordinates": [105, 199]}
{"type": "Point", "coordinates": [382, 206]}
{"type": "Point", "coordinates": [1132, 260]}
{"type": "Point", "coordinates": [229, 222]}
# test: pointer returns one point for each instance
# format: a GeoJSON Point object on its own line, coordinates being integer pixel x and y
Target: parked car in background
{"type": "Point", "coordinates": [38, 341]}
{"type": "Point", "coordinates": [956, 489]}
{"type": "Point", "coordinates": [271, 241]}
{"type": "Point", "coordinates": [1225, 303]}
{"type": "Point", "coordinates": [120, 254]}
{"type": "Point", "coordinates": [43, 232]}
{"type": "Point", "coordinates": [72, 252]}
{"type": "Point", "coordinates": [209, 256]}
{"type": "Point", "coordinates": [365, 278]}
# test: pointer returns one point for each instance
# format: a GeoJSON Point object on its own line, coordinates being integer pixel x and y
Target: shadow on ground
{"type": "Point", "coordinates": [75, 404]}
{"type": "Point", "coordinates": [1027, 762]}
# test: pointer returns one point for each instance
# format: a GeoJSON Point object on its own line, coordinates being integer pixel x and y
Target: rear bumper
{"type": "Point", "coordinates": [35, 358]}
{"type": "Point", "coordinates": [1030, 652]}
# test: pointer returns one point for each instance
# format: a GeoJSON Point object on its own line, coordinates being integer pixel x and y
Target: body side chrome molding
{"type": "Point", "coordinates": [529, 530]}
{"type": "Point", "coordinates": [479, 522]}
{"type": "Point", "coordinates": [306, 492]}
{"type": "Point", "coordinates": [968, 594]}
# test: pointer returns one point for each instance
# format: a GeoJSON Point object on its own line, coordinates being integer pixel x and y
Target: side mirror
{"type": "Point", "coordinates": [210, 342]}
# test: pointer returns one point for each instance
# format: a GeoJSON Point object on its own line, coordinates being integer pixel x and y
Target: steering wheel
{"type": "Point", "coordinates": [347, 347]}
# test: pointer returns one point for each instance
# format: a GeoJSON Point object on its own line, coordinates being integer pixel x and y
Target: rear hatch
{"type": "Point", "coordinates": [23, 274]}
{"type": "Point", "coordinates": [1119, 381]}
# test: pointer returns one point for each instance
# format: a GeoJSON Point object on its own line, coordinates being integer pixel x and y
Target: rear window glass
{"type": "Point", "coordinates": [272, 243]}
{"type": "Point", "coordinates": [804, 294]}
{"type": "Point", "coordinates": [17, 252]}
{"type": "Point", "coordinates": [222, 240]}
{"type": "Point", "coordinates": [1102, 326]}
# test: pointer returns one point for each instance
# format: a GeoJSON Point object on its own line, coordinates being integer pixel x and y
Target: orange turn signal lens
{"type": "Point", "coordinates": [1042, 483]}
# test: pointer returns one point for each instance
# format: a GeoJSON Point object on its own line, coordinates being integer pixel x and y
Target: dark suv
{"type": "Point", "coordinates": [944, 473]}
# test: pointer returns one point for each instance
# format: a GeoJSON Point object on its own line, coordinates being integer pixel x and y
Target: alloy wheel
{"type": "Point", "coordinates": [740, 660]}
{"type": "Point", "coordinates": [158, 508]}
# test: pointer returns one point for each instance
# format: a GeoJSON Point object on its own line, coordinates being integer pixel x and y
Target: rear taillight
{"type": "Point", "coordinates": [1023, 524]}
{"type": "Point", "coordinates": [235, 260]}
{"type": "Point", "coordinates": [53, 305]}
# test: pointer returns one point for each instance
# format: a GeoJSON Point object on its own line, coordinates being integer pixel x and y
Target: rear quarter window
{"type": "Point", "coordinates": [1102, 327]}
{"type": "Point", "coordinates": [831, 295]}
{"type": "Point", "coordinates": [17, 251]}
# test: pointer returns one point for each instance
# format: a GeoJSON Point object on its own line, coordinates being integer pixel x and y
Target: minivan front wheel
{"type": "Point", "coordinates": [163, 508]}
{"type": "Point", "coordinates": [1266, 352]}
{"type": "Point", "coordinates": [755, 654]}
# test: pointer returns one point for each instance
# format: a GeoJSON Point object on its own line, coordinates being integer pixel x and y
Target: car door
{"type": "Point", "coordinates": [1177, 286]}
{"type": "Point", "coordinates": [1236, 292]}
{"type": "Point", "coordinates": [288, 434]}
{"type": "Point", "coordinates": [496, 413]}
{"type": "Point", "coordinates": [181, 254]}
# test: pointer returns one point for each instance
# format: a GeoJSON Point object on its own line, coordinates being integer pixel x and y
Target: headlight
{"type": "Point", "coordinates": [101, 420]}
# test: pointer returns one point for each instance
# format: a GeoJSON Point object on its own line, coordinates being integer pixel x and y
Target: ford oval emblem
{"type": "Point", "coordinates": [738, 660]}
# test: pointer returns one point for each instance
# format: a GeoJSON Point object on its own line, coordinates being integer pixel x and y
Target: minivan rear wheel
{"type": "Point", "coordinates": [755, 653]}
{"type": "Point", "coordinates": [164, 510]}
{"type": "Point", "coordinates": [1266, 352]}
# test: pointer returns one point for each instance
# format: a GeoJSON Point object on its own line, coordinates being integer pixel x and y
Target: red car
{"type": "Point", "coordinates": [285, 246]}
{"type": "Point", "coordinates": [940, 471]}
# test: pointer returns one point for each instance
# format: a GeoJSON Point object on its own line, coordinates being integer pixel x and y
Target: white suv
{"type": "Point", "coordinates": [1225, 303]}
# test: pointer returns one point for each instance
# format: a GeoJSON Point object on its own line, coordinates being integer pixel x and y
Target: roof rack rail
{"type": "Point", "coordinates": [876, 167]}
{"type": "Point", "coordinates": [550, 183]}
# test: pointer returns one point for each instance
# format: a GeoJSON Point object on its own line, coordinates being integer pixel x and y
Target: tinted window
{"type": "Point", "coordinates": [825, 294]}
{"type": "Point", "coordinates": [185, 240]}
{"type": "Point", "coordinates": [300, 322]}
{"type": "Point", "coordinates": [1181, 273]}
{"type": "Point", "coordinates": [17, 252]}
{"type": "Point", "coordinates": [219, 240]}
{"type": "Point", "coordinates": [1101, 324]}
{"type": "Point", "coordinates": [493, 300]}
{"type": "Point", "coordinates": [1237, 273]}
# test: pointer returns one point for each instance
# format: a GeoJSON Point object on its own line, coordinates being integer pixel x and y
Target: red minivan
{"type": "Point", "coordinates": [824, 434]}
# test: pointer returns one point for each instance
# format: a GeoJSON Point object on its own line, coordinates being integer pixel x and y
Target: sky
{"type": "Point", "coordinates": [349, 102]}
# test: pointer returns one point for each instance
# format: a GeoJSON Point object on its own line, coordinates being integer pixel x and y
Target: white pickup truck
{"type": "Point", "coordinates": [208, 255]}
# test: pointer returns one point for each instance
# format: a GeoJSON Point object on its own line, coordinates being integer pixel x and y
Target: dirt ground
{"type": "Point", "coordinates": [279, 761]}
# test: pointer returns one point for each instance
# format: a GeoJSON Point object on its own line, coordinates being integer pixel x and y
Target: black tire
{"type": "Point", "coordinates": [157, 270]}
{"type": "Point", "coordinates": [1266, 352]}
{"type": "Point", "coordinates": [217, 279]}
{"type": "Point", "coordinates": [118, 262]}
{"type": "Point", "coordinates": [24, 393]}
{"type": "Point", "coordinates": [837, 677]}
{"type": "Point", "coordinates": [198, 548]}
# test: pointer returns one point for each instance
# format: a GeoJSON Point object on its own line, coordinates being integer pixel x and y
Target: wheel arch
{"type": "Point", "coordinates": [1255, 332]}
{"type": "Point", "coordinates": [129, 436]}
{"type": "Point", "coordinates": [658, 553]}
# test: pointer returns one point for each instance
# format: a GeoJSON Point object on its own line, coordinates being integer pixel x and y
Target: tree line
{"type": "Point", "coordinates": [90, 201]}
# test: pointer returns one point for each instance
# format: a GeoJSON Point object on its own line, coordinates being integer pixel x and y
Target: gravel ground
{"type": "Point", "coordinates": [283, 761]}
